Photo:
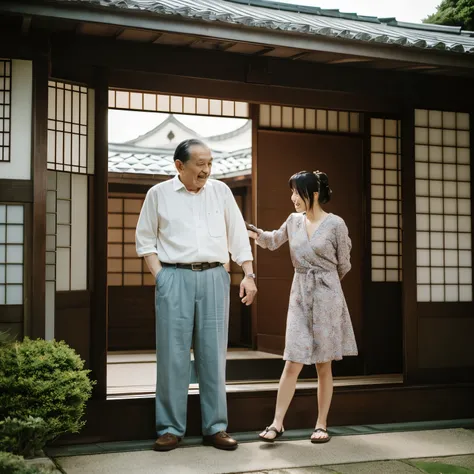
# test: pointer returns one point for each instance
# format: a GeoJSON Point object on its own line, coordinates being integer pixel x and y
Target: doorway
{"type": "Point", "coordinates": [341, 157]}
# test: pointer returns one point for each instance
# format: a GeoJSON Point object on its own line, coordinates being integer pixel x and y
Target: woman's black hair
{"type": "Point", "coordinates": [306, 184]}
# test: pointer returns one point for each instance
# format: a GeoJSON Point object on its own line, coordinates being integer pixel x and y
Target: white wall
{"type": "Point", "coordinates": [19, 166]}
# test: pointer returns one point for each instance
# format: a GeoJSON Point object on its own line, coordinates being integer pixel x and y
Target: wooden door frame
{"type": "Point", "coordinates": [105, 80]}
{"type": "Point", "coordinates": [348, 363]}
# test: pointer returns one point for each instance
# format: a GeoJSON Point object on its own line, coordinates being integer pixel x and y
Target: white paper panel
{"type": "Point", "coordinates": [435, 118]}
{"type": "Point", "coordinates": [449, 120]}
{"type": "Point", "coordinates": [264, 115]}
{"type": "Point", "coordinates": [310, 119]}
{"type": "Point", "coordinates": [90, 131]}
{"type": "Point", "coordinates": [343, 125]}
{"type": "Point", "coordinates": [299, 118]}
{"type": "Point", "coordinates": [63, 268]}
{"type": "Point", "coordinates": [50, 297]}
{"type": "Point", "coordinates": [465, 293]}
{"type": "Point", "coordinates": [423, 293]}
{"type": "Point", "coordinates": [462, 121]}
{"type": "Point", "coordinates": [451, 275]}
{"type": "Point", "coordinates": [421, 117]}
{"type": "Point", "coordinates": [14, 294]}
{"type": "Point", "coordinates": [79, 232]}
{"type": "Point", "coordinates": [377, 126]}
{"type": "Point", "coordinates": [321, 120]}
{"type": "Point", "coordinates": [275, 116]}
{"type": "Point", "coordinates": [332, 121]}
{"type": "Point", "coordinates": [287, 117]}
{"type": "Point", "coordinates": [19, 166]}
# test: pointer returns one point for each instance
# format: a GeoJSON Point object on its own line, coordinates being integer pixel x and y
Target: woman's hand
{"type": "Point", "coordinates": [252, 235]}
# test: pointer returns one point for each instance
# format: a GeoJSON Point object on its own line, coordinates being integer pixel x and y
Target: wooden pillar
{"type": "Point", "coordinates": [410, 321]}
{"type": "Point", "coordinates": [254, 116]}
{"type": "Point", "coordinates": [36, 326]}
{"type": "Point", "coordinates": [99, 232]}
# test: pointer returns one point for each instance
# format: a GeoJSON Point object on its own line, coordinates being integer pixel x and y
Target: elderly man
{"type": "Point", "coordinates": [187, 227]}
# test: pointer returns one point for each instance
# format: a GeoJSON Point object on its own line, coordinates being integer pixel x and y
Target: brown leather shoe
{"type": "Point", "coordinates": [221, 440]}
{"type": "Point", "coordinates": [166, 442]}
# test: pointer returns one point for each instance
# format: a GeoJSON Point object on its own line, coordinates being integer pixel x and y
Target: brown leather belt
{"type": "Point", "coordinates": [195, 267]}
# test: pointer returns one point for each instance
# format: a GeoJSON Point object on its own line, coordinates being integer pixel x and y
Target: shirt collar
{"type": "Point", "coordinates": [178, 185]}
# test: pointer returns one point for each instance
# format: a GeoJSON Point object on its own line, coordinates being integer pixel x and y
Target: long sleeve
{"type": "Point", "coordinates": [237, 237]}
{"type": "Point", "coordinates": [274, 239]}
{"type": "Point", "coordinates": [343, 249]}
{"type": "Point", "coordinates": [146, 234]}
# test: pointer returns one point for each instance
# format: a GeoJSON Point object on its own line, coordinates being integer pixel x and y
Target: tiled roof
{"type": "Point", "coordinates": [124, 158]}
{"type": "Point", "coordinates": [305, 20]}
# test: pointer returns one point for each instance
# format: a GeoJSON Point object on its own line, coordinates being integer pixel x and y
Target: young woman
{"type": "Point", "coordinates": [319, 328]}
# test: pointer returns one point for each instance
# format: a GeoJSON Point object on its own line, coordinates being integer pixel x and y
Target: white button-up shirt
{"type": "Point", "coordinates": [184, 227]}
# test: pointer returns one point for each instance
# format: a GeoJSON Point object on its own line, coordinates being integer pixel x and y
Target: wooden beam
{"type": "Point", "coordinates": [133, 418]}
{"type": "Point", "coordinates": [11, 313]}
{"type": "Point", "coordinates": [254, 93]}
{"type": "Point", "coordinates": [16, 46]}
{"type": "Point", "coordinates": [39, 173]}
{"type": "Point", "coordinates": [16, 190]}
{"type": "Point", "coordinates": [349, 60]}
{"type": "Point", "coordinates": [358, 88]}
{"type": "Point", "coordinates": [300, 55]}
{"type": "Point", "coordinates": [26, 24]}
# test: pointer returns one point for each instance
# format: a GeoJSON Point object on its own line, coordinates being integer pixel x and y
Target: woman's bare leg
{"type": "Point", "coordinates": [325, 389]}
{"type": "Point", "coordinates": [286, 390]}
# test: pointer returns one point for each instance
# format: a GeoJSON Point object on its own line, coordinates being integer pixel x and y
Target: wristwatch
{"type": "Point", "coordinates": [251, 275]}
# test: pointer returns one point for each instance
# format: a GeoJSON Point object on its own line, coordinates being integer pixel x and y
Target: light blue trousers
{"type": "Point", "coordinates": [191, 308]}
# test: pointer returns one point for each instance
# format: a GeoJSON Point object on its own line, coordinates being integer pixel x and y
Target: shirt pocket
{"type": "Point", "coordinates": [216, 222]}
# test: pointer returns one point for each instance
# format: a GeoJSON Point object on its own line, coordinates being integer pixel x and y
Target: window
{"type": "Point", "coordinates": [11, 254]}
{"type": "Point", "coordinates": [124, 267]}
{"type": "Point", "coordinates": [5, 104]}
{"type": "Point", "coordinates": [150, 102]}
{"type": "Point", "coordinates": [276, 116]}
{"type": "Point", "coordinates": [386, 201]}
{"type": "Point", "coordinates": [67, 127]}
{"type": "Point", "coordinates": [443, 206]}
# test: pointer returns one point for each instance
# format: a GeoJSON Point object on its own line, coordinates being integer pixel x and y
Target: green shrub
{"type": "Point", "coordinates": [23, 436]}
{"type": "Point", "coordinates": [41, 379]}
{"type": "Point", "coordinates": [5, 338]}
{"type": "Point", "coordinates": [11, 464]}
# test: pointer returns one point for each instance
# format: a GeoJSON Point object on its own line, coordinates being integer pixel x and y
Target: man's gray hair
{"type": "Point", "coordinates": [182, 152]}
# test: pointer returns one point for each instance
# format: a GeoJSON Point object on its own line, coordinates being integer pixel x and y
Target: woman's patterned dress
{"type": "Point", "coordinates": [319, 327]}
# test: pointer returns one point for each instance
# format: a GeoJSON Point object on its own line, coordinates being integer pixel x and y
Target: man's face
{"type": "Point", "coordinates": [196, 171]}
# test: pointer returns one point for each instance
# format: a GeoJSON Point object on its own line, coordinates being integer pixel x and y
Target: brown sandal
{"type": "Point", "coordinates": [320, 440]}
{"type": "Point", "coordinates": [274, 430]}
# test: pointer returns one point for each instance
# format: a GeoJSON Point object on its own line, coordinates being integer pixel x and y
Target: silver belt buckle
{"type": "Point", "coordinates": [196, 267]}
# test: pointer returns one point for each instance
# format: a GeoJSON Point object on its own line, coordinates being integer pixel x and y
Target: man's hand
{"type": "Point", "coordinates": [249, 289]}
{"type": "Point", "coordinates": [154, 265]}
